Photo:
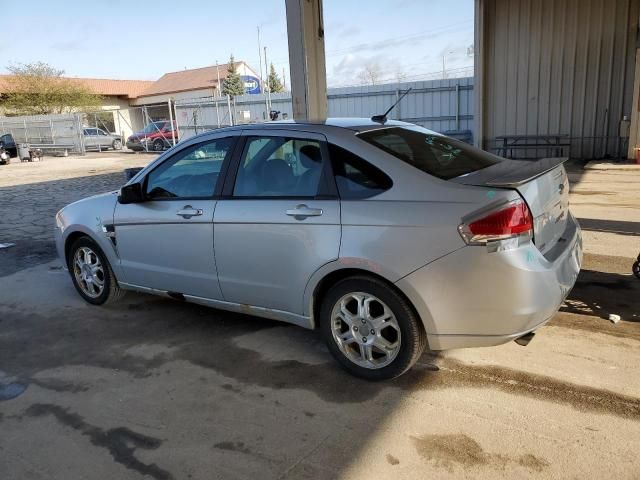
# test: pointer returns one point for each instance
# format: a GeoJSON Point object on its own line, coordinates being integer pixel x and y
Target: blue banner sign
{"type": "Point", "coordinates": [251, 84]}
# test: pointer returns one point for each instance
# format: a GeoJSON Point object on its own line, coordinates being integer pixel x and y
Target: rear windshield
{"type": "Point", "coordinates": [434, 154]}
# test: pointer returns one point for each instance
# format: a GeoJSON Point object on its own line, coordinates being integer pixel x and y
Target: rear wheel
{"type": "Point", "coordinates": [91, 273]}
{"type": "Point", "coordinates": [636, 268]}
{"type": "Point", "coordinates": [370, 329]}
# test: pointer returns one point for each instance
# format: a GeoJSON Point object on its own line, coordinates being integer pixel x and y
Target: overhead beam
{"type": "Point", "coordinates": [305, 29]}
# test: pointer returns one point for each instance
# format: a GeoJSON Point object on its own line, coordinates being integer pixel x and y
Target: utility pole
{"type": "Point", "coordinates": [268, 86]}
{"type": "Point", "coordinates": [219, 93]}
{"type": "Point", "coordinates": [444, 68]}
{"type": "Point", "coordinates": [284, 80]}
{"type": "Point", "coordinates": [262, 85]}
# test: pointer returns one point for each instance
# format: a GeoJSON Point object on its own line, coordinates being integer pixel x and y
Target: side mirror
{"type": "Point", "coordinates": [131, 194]}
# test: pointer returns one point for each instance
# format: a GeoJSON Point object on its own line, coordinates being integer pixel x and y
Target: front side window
{"type": "Point", "coordinates": [190, 173]}
{"type": "Point", "coordinates": [434, 154]}
{"type": "Point", "coordinates": [355, 177]}
{"type": "Point", "coordinates": [102, 132]}
{"type": "Point", "coordinates": [154, 127]}
{"type": "Point", "coordinates": [280, 167]}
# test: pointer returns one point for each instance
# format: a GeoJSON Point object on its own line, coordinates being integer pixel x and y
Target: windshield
{"type": "Point", "coordinates": [153, 127]}
{"type": "Point", "coordinates": [430, 152]}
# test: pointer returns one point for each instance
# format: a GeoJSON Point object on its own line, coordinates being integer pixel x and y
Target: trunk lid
{"type": "Point", "coordinates": [543, 184]}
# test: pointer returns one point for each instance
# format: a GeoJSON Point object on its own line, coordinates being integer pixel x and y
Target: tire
{"type": "Point", "coordinates": [158, 145]}
{"type": "Point", "coordinates": [110, 291]}
{"type": "Point", "coordinates": [117, 144]}
{"type": "Point", "coordinates": [404, 334]}
{"type": "Point", "coordinates": [636, 268]}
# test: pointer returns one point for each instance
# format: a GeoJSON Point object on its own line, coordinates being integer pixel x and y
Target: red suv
{"type": "Point", "coordinates": [156, 136]}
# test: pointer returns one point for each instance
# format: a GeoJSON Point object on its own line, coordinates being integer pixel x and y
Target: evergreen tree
{"type": "Point", "coordinates": [232, 84]}
{"type": "Point", "coordinates": [273, 81]}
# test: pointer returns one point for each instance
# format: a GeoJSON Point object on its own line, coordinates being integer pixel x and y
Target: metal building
{"type": "Point", "coordinates": [557, 67]}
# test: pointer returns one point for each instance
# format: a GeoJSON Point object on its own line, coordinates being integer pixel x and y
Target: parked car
{"type": "Point", "coordinates": [8, 143]}
{"type": "Point", "coordinates": [156, 136]}
{"type": "Point", "coordinates": [96, 138]}
{"type": "Point", "coordinates": [385, 236]}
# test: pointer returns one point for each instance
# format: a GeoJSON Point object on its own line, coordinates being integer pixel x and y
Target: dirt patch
{"type": "Point", "coordinates": [233, 447]}
{"type": "Point", "coordinates": [392, 460]}
{"type": "Point", "coordinates": [447, 450]}
{"type": "Point", "coordinates": [583, 398]}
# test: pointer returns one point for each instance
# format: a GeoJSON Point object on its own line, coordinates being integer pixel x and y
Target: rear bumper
{"type": "Point", "coordinates": [476, 298]}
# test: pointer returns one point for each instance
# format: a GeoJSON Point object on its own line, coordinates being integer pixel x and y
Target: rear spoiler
{"type": "Point", "coordinates": [529, 171]}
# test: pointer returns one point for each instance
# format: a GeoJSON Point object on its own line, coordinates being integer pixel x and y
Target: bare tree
{"type": "Point", "coordinates": [401, 76]}
{"type": "Point", "coordinates": [40, 89]}
{"type": "Point", "coordinates": [370, 73]}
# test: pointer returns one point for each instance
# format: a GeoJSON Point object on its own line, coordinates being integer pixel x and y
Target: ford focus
{"type": "Point", "coordinates": [386, 237]}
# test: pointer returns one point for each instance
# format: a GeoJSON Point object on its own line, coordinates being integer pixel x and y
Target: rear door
{"type": "Point", "coordinates": [166, 242]}
{"type": "Point", "coordinates": [278, 221]}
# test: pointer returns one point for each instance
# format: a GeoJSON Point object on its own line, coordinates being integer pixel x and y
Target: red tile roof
{"type": "Point", "coordinates": [185, 80]}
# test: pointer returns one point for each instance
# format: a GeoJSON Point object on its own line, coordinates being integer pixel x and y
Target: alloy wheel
{"type": "Point", "coordinates": [88, 272]}
{"type": "Point", "coordinates": [365, 330]}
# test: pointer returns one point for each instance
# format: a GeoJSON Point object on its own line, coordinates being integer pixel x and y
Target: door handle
{"type": "Point", "coordinates": [302, 211]}
{"type": "Point", "coordinates": [188, 211]}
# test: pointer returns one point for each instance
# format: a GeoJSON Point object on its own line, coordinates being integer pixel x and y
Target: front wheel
{"type": "Point", "coordinates": [636, 268]}
{"type": "Point", "coordinates": [370, 329]}
{"type": "Point", "coordinates": [117, 144]}
{"type": "Point", "coordinates": [91, 273]}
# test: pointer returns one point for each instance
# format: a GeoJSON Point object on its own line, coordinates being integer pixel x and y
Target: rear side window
{"type": "Point", "coordinates": [355, 177]}
{"type": "Point", "coordinates": [434, 154]}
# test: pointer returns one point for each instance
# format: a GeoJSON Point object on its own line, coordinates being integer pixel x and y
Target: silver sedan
{"type": "Point", "coordinates": [386, 237]}
{"type": "Point", "coordinates": [96, 138]}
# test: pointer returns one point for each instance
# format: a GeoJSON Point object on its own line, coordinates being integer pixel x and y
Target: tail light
{"type": "Point", "coordinates": [507, 221]}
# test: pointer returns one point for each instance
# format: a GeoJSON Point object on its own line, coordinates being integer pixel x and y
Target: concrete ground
{"type": "Point", "coordinates": [152, 388]}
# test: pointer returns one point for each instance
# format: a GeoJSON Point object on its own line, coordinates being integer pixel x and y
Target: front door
{"type": "Point", "coordinates": [278, 222]}
{"type": "Point", "coordinates": [90, 138]}
{"type": "Point", "coordinates": [166, 242]}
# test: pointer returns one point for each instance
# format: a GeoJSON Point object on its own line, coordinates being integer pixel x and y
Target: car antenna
{"type": "Point", "coordinates": [383, 118]}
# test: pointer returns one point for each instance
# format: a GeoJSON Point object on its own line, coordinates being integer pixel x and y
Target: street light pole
{"type": "Point", "coordinates": [219, 93]}
{"type": "Point", "coordinates": [262, 85]}
{"type": "Point", "coordinates": [267, 76]}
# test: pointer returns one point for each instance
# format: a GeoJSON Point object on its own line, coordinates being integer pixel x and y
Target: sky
{"type": "Point", "coordinates": [142, 40]}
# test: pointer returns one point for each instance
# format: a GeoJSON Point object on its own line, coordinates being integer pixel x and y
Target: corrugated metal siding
{"type": "Point", "coordinates": [440, 105]}
{"type": "Point", "coordinates": [559, 66]}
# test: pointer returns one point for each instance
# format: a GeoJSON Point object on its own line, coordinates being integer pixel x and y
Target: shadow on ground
{"type": "Point", "coordinates": [605, 286]}
{"type": "Point", "coordinates": [108, 338]}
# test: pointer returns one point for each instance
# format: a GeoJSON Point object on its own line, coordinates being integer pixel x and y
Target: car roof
{"type": "Point", "coordinates": [350, 123]}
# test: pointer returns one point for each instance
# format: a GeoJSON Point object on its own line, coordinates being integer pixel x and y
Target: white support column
{"type": "Point", "coordinates": [478, 81]}
{"type": "Point", "coordinates": [305, 28]}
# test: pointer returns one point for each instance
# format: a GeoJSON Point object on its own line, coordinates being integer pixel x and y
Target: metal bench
{"type": "Point", "coordinates": [553, 144]}
{"type": "Point", "coordinates": [63, 148]}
